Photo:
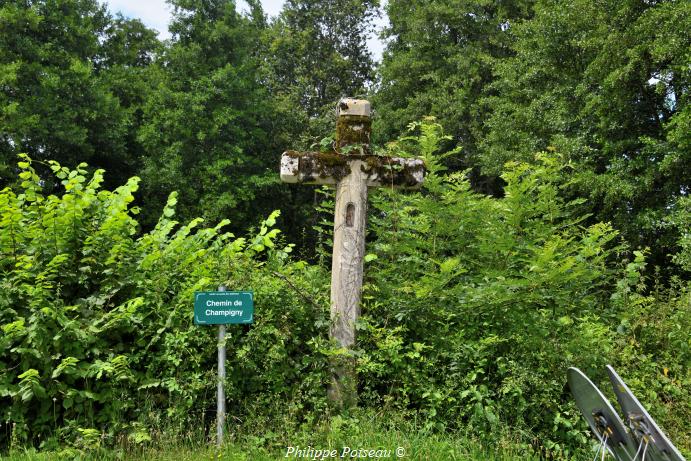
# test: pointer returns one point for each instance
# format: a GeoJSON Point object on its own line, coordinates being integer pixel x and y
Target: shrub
{"type": "Point", "coordinates": [96, 318]}
{"type": "Point", "coordinates": [476, 306]}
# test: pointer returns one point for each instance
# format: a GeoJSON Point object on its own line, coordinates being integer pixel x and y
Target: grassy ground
{"type": "Point", "coordinates": [428, 450]}
{"type": "Point", "coordinates": [395, 440]}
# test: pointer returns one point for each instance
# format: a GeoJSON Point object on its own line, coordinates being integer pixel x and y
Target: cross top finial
{"type": "Point", "coordinates": [350, 106]}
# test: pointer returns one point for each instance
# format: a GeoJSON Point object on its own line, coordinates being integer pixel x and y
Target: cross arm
{"type": "Point", "coordinates": [331, 167]}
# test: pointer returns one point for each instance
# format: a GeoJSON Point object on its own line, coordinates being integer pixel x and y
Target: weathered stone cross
{"type": "Point", "coordinates": [352, 168]}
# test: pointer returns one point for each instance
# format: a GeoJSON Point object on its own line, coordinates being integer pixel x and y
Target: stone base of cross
{"type": "Point", "coordinates": [352, 169]}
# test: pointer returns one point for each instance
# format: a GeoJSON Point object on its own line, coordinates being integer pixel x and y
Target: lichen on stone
{"type": "Point", "coordinates": [392, 171]}
{"type": "Point", "coordinates": [322, 165]}
{"type": "Point", "coordinates": [353, 129]}
{"type": "Point", "coordinates": [331, 167]}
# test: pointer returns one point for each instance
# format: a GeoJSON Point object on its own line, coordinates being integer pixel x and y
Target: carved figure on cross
{"type": "Point", "coordinates": [352, 168]}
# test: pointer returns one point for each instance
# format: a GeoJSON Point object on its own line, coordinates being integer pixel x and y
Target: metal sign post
{"type": "Point", "coordinates": [220, 394]}
{"type": "Point", "coordinates": [220, 308]}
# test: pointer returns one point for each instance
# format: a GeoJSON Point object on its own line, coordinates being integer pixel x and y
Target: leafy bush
{"type": "Point", "coordinates": [98, 340]}
{"type": "Point", "coordinates": [682, 220]}
{"type": "Point", "coordinates": [475, 307]}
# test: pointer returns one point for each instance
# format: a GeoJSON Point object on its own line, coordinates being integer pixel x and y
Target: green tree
{"type": "Point", "coordinates": [319, 52]}
{"type": "Point", "coordinates": [681, 219]}
{"type": "Point", "coordinates": [438, 61]}
{"type": "Point", "coordinates": [126, 65]}
{"type": "Point", "coordinates": [208, 123]}
{"type": "Point", "coordinates": [67, 91]}
{"type": "Point", "coordinates": [607, 85]}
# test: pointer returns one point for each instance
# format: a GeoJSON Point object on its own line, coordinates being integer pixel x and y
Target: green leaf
{"type": "Point", "coordinates": [449, 265]}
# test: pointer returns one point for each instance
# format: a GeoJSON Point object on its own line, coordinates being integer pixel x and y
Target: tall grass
{"type": "Point", "coordinates": [395, 437]}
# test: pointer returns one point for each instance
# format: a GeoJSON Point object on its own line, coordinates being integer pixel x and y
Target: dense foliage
{"type": "Point", "coordinates": [606, 84]}
{"type": "Point", "coordinates": [207, 112]}
{"type": "Point", "coordinates": [439, 60]}
{"type": "Point", "coordinates": [205, 128]}
{"type": "Point", "coordinates": [319, 52]}
{"type": "Point", "coordinates": [553, 228]}
{"type": "Point", "coordinates": [476, 306]}
{"type": "Point", "coordinates": [72, 80]}
{"type": "Point", "coordinates": [98, 339]}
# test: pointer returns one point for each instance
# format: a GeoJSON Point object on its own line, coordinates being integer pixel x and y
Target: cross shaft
{"type": "Point", "coordinates": [352, 174]}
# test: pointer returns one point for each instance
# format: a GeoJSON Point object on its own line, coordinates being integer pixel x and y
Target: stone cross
{"type": "Point", "coordinates": [352, 168]}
